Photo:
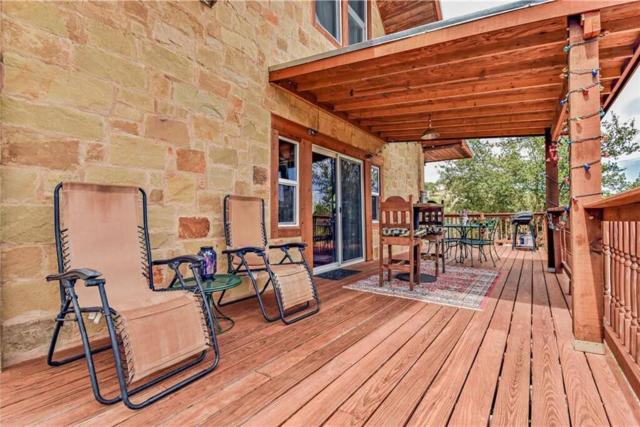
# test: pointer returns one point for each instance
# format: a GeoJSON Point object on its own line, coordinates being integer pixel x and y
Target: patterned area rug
{"type": "Point", "coordinates": [462, 287]}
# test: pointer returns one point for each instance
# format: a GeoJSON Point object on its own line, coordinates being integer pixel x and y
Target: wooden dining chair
{"type": "Point", "coordinates": [397, 228]}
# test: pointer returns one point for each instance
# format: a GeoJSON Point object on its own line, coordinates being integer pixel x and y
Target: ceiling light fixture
{"type": "Point", "coordinates": [430, 133]}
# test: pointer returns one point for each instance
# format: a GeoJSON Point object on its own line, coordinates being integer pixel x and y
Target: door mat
{"type": "Point", "coordinates": [337, 274]}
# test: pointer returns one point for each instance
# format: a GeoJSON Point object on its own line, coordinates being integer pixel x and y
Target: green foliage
{"type": "Point", "coordinates": [508, 175]}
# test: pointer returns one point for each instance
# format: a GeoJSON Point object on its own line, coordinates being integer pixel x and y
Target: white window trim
{"type": "Point", "coordinates": [339, 22]}
{"type": "Point", "coordinates": [375, 193]}
{"type": "Point", "coordinates": [362, 22]}
{"type": "Point", "coordinates": [291, 183]}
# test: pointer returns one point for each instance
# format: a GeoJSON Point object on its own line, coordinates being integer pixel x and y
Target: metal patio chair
{"type": "Point", "coordinates": [102, 239]}
{"type": "Point", "coordinates": [295, 291]}
{"type": "Point", "coordinates": [486, 237]}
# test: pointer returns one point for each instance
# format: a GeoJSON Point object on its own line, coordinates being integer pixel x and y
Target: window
{"type": "Point", "coordinates": [329, 15]}
{"type": "Point", "coordinates": [287, 182]}
{"type": "Point", "coordinates": [375, 193]}
{"type": "Point", "coordinates": [357, 13]}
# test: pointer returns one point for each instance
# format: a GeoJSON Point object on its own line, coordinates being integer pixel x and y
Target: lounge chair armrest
{"type": "Point", "coordinates": [89, 276]}
{"type": "Point", "coordinates": [244, 250]}
{"type": "Point", "coordinates": [182, 259]}
{"type": "Point", "coordinates": [283, 246]}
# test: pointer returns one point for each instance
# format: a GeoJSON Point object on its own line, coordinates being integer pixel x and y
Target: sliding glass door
{"type": "Point", "coordinates": [337, 202]}
{"type": "Point", "coordinates": [351, 218]}
{"type": "Point", "coordinates": [325, 205]}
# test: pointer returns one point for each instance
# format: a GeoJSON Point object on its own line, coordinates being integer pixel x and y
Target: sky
{"type": "Point", "coordinates": [626, 106]}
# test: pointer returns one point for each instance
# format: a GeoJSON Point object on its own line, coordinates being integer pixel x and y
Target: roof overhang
{"type": "Point", "coordinates": [438, 151]}
{"type": "Point", "coordinates": [496, 73]}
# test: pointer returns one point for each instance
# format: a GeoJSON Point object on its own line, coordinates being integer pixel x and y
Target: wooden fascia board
{"type": "Point", "coordinates": [316, 105]}
{"type": "Point", "coordinates": [498, 22]}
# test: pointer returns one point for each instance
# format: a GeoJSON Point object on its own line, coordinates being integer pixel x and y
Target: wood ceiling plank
{"type": "Point", "coordinates": [473, 135]}
{"type": "Point", "coordinates": [493, 129]}
{"type": "Point", "coordinates": [448, 92]}
{"type": "Point", "coordinates": [420, 124]}
{"type": "Point", "coordinates": [521, 98]}
{"type": "Point", "coordinates": [491, 111]}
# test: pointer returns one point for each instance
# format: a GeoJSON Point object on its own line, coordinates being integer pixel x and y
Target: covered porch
{"type": "Point", "coordinates": [372, 359]}
{"type": "Point", "coordinates": [535, 353]}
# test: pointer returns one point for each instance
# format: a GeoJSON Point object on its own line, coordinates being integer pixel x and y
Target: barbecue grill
{"type": "Point", "coordinates": [519, 220]}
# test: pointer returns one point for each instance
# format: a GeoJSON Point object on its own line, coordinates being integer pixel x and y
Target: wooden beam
{"type": "Point", "coordinates": [499, 22]}
{"type": "Point", "coordinates": [519, 98]}
{"type": "Point", "coordinates": [471, 135]}
{"type": "Point", "coordinates": [470, 129]}
{"type": "Point", "coordinates": [586, 270]}
{"type": "Point", "coordinates": [591, 24]}
{"type": "Point", "coordinates": [349, 92]}
{"type": "Point", "coordinates": [552, 193]}
{"type": "Point", "coordinates": [449, 92]}
{"type": "Point", "coordinates": [493, 112]}
{"type": "Point", "coordinates": [454, 123]}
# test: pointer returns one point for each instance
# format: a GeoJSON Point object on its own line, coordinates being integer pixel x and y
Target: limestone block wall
{"type": "Point", "coordinates": [403, 169]}
{"type": "Point", "coordinates": [170, 96]}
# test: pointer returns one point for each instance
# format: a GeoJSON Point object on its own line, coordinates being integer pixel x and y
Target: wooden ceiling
{"type": "Point", "coordinates": [438, 151]}
{"type": "Point", "coordinates": [495, 76]}
{"type": "Point", "coordinates": [398, 15]}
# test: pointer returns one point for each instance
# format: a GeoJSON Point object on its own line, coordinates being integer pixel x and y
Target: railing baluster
{"type": "Point", "coordinates": [626, 280]}
{"type": "Point", "coordinates": [633, 237]}
{"type": "Point", "coordinates": [606, 253]}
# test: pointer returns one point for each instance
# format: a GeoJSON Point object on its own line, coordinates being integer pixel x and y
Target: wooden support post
{"type": "Point", "coordinates": [552, 198]}
{"type": "Point", "coordinates": [586, 178]}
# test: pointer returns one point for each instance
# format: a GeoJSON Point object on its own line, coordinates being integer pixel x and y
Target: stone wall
{"type": "Point", "coordinates": [170, 96]}
{"type": "Point", "coordinates": [403, 169]}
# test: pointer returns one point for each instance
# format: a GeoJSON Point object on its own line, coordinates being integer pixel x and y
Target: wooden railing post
{"type": "Point", "coordinates": [586, 175]}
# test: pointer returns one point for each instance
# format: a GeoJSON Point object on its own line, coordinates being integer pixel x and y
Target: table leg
{"type": "Point", "coordinates": [218, 315]}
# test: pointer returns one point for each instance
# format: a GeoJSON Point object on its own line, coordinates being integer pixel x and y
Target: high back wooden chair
{"type": "Point", "coordinates": [102, 239]}
{"type": "Point", "coordinates": [430, 222]}
{"type": "Point", "coordinates": [397, 228]}
{"type": "Point", "coordinates": [246, 238]}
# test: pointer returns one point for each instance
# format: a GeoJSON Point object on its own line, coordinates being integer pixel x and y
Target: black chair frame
{"type": "Point", "coordinates": [244, 269]}
{"type": "Point", "coordinates": [69, 304]}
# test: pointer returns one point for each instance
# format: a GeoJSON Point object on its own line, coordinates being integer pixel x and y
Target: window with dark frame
{"type": "Point", "coordinates": [328, 14]}
{"type": "Point", "coordinates": [375, 193]}
{"type": "Point", "coordinates": [287, 182]}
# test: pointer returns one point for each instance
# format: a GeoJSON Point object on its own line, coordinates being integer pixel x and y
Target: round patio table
{"type": "Point", "coordinates": [463, 231]}
{"type": "Point", "coordinates": [219, 283]}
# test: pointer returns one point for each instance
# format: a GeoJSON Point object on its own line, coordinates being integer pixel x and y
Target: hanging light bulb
{"type": "Point", "coordinates": [430, 133]}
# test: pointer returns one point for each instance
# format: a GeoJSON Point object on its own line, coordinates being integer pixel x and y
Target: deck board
{"type": "Point", "coordinates": [370, 359]}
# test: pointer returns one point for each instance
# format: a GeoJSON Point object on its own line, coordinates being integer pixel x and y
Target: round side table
{"type": "Point", "coordinates": [219, 283]}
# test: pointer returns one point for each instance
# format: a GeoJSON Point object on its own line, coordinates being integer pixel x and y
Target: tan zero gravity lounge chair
{"type": "Point", "coordinates": [102, 239]}
{"type": "Point", "coordinates": [294, 289]}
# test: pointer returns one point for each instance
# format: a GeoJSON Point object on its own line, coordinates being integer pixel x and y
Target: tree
{"type": "Point", "coordinates": [508, 175]}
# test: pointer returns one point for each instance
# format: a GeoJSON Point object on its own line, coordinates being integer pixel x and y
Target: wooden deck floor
{"type": "Point", "coordinates": [370, 359]}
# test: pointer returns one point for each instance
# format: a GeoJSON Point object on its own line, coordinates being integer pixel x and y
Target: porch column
{"type": "Point", "coordinates": [552, 195]}
{"type": "Point", "coordinates": [586, 177]}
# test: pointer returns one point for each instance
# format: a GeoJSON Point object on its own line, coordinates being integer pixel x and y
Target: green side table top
{"type": "Point", "coordinates": [220, 282]}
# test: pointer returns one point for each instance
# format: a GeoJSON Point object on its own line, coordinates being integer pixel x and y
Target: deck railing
{"type": "Point", "coordinates": [620, 254]}
{"type": "Point", "coordinates": [505, 228]}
